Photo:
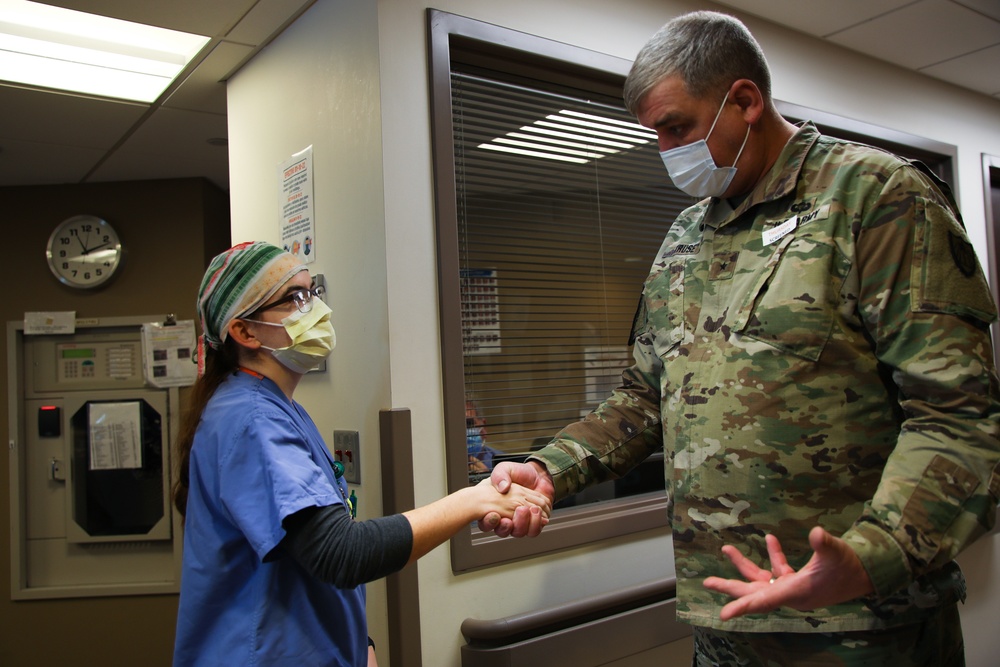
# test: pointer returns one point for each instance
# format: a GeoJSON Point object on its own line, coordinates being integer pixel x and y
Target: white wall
{"type": "Point", "coordinates": [354, 85]}
{"type": "Point", "coordinates": [317, 85]}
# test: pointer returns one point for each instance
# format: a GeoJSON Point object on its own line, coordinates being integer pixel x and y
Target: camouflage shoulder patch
{"type": "Point", "coordinates": [946, 276]}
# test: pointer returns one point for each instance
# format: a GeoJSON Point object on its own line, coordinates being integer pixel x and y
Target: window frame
{"type": "Point", "coordinates": [938, 156]}
{"type": "Point", "coordinates": [520, 53]}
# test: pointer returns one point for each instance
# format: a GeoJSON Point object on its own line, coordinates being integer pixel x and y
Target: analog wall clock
{"type": "Point", "coordinates": [84, 252]}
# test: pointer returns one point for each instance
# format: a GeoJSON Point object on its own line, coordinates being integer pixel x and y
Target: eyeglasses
{"type": "Point", "coordinates": [303, 299]}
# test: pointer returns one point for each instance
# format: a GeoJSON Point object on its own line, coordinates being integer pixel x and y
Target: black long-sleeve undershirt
{"type": "Point", "coordinates": [335, 549]}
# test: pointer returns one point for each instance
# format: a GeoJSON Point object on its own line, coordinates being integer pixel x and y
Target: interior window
{"type": "Point", "coordinates": [562, 203]}
{"type": "Point", "coordinates": [552, 202]}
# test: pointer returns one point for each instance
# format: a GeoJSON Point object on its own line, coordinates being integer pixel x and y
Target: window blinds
{"type": "Point", "coordinates": [562, 205]}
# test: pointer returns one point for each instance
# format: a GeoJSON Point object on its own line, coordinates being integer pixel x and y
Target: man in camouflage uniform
{"type": "Point", "coordinates": [813, 353]}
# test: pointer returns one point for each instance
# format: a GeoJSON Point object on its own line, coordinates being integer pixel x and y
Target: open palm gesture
{"type": "Point", "coordinates": [834, 574]}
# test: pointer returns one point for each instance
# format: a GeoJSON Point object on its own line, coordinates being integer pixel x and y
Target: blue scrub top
{"type": "Point", "coordinates": [258, 458]}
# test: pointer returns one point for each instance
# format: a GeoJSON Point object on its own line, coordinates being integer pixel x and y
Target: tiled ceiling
{"type": "Point", "coordinates": [49, 137]}
{"type": "Point", "coordinates": [953, 40]}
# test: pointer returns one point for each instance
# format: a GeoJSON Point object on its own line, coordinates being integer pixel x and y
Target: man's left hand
{"type": "Point", "coordinates": [833, 575]}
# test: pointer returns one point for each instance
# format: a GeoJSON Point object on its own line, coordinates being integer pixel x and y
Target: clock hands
{"type": "Point", "coordinates": [86, 250]}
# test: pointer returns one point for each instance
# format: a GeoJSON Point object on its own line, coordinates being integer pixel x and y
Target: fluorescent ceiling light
{"type": "Point", "coordinates": [541, 154]}
{"type": "Point", "coordinates": [570, 136]}
{"type": "Point", "coordinates": [553, 148]}
{"type": "Point", "coordinates": [545, 137]}
{"type": "Point", "coordinates": [575, 132]}
{"type": "Point", "coordinates": [643, 134]}
{"type": "Point", "coordinates": [62, 49]}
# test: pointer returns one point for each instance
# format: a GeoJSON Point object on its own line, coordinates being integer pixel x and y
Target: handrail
{"type": "Point", "coordinates": [518, 627]}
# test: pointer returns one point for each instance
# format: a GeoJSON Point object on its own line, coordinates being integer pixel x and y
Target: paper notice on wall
{"type": "Point", "coordinates": [49, 322]}
{"type": "Point", "coordinates": [169, 354]}
{"type": "Point", "coordinates": [298, 228]}
{"type": "Point", "coordinates": [115, 436]}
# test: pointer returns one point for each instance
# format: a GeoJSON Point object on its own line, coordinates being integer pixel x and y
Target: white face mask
{"type": "Point", "coordinates": [312, 336]}
{"type": "Point", "coordinates": [693, 170]}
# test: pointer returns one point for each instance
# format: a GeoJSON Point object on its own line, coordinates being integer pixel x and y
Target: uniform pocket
{"type": "Point", "coordinates": [663, 297]}
{"type": "Point", "coordinates": [793, 301]}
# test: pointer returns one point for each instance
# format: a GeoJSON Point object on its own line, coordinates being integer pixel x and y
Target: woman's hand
{"type": "Point", "coordinates": [526, 520]}
{"type": "Point", "coordinates": [517, 496]}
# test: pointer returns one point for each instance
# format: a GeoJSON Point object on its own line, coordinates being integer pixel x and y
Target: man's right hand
{"type": "Point", "coordinates": [527, 521]}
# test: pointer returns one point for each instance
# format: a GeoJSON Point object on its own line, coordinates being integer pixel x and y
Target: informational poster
{"type": "Point", "coordinates": [115, 436]}
{"type": "Point", "coordinates": [168, 353]}
{"type": "Point", "coordinates": [298, 228]}
{"type": "Point", "coordinates": [480, 312]}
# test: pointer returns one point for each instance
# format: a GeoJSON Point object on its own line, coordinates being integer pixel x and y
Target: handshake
{"type": "Point", "coordinates": [518, 498]}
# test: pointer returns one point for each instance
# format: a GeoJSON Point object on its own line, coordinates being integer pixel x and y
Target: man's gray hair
{"type": "Point", "coordinates": [708, 50]}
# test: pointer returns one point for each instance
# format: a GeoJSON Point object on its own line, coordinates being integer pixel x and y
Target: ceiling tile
{"type": "Point", "coordinates": [922, 34]}
{"type": "Point", "coordinates": [816, 18]}
{"type": "Point", "coordinates": [168, 145]}
{"type": "Point", "coordinates": [45, 117]}
{"type": "Point", "coordinates": [990, 8]}
{"type": "Point", "coordinates": [978, 71]}
{"type": "Point", "coordinates": [211, 18]}
{"type": "Point", "coordinates": [33, 163]}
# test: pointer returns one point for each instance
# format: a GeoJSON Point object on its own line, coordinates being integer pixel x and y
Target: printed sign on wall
{"type": "Point", "coordinates": [298, 228]}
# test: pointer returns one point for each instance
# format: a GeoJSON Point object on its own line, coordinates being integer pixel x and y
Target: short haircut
{"type": "Point", "coordinates": [708, 50]}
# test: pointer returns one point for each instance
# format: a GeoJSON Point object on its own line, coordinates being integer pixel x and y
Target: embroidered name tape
{"type": "Point", "coordinates": [683, 249]}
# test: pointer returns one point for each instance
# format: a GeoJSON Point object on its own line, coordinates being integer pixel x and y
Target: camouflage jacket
{"type": "Point", "coordinates": [818, 356]}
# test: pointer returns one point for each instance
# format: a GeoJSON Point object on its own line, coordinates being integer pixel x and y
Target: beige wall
{"type": "Point", "coordinates": [171, 229]}
{"type": "Point", "coordinates": [318, 85]}
{"type": "Point", "coordinates": [350, 79]}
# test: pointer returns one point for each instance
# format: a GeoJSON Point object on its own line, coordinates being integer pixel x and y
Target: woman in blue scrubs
{"type": "Point", "coordinates": [274, 565]}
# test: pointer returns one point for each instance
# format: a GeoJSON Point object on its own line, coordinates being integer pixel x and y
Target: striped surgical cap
{"type": "Point", "coordinates": [238, 281]}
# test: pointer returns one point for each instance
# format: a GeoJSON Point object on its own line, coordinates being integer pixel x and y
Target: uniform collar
{"type": "Point", "coordinates": [780, 180]}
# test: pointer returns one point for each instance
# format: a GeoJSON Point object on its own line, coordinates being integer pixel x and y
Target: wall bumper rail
{"type": "Point", "coordinates": [584, 633]}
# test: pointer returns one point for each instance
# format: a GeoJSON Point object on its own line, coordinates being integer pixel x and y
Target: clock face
{"type": "Point", "coordinates": [84, 251]}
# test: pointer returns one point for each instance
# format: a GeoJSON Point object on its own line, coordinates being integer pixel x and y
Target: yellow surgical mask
{"type": "Point", "coordinates": [313, 338]}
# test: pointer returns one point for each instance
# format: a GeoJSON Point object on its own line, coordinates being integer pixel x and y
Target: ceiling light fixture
{"type": "Point", "coordinates": [61, 49]}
